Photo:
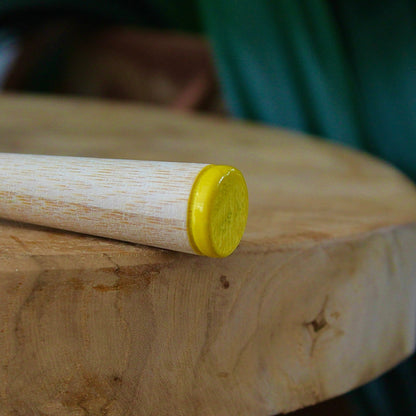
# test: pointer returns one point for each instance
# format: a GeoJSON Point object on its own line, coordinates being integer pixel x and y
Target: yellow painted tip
{"type": "Point", "coordinates": [217, 211]}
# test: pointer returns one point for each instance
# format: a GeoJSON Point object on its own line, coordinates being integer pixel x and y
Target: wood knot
{"type": "Point", "coordinates": [318, 324]}
{"type": "Point", "coordinates": [117, 379]}
{"type": "Point", "coordinates": [224, 282]}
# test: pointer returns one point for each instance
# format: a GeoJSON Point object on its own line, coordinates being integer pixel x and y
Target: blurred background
{"type": "Point", "coordinates": [344, 70]}
{"type": "Point", "coordinates": [109, 49]}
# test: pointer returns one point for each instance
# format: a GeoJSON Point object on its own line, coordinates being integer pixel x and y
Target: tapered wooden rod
{"type": "Point", "coordinates": [189, 207]}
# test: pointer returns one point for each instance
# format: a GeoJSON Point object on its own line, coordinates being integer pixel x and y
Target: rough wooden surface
{"type": "Point", "coordinates": [319, 298]}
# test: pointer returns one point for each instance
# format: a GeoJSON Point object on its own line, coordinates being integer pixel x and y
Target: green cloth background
{"type": "Point", "coordinates": [341, 69]}
{"type": "Point", "coordinates": [345, 70]}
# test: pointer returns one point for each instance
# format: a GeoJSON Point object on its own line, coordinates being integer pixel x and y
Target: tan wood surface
{"type": "Point", "coordinates": [319, 298]}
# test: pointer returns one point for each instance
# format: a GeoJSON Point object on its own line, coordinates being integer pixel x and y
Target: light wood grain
{"type": "Point", "coordinates": [137, 201]}
{"type": "Point", "coordinates": [318, 299]}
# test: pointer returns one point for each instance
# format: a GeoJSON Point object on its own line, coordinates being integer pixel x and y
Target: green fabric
{"type": "Point", "coordinates": [380, 42]}
{"type": "Point", "coordinates": [344, 70]}
{"type": "Point", "coordinates": [282, 63]}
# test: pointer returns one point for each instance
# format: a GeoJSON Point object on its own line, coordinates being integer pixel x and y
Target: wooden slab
{"type": "Point", "coordinates": [319, 298]}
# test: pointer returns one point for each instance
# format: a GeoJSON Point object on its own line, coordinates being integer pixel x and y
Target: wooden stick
{"type": "Point", "coordinates": [189, 207]}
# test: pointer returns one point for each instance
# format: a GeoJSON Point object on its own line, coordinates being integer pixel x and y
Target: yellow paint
{"type": "Point", "coordinates": [217, 212]}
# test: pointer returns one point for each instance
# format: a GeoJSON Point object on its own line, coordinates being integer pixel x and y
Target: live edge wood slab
{"type": "Point", "coordinates": [319, 298]}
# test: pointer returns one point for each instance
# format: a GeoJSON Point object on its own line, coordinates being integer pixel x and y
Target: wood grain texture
{"type": "Point", "coordinates": [318, 299]}
{"type": "Point", "coordinates": [137, 201]}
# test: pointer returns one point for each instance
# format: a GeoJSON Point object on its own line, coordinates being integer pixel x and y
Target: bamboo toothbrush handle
{"type": "Point", "coordinates": [189, 207]}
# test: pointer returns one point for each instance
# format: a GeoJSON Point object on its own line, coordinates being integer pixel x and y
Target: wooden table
{"type": "Point", "coordinates": [319, 298]}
